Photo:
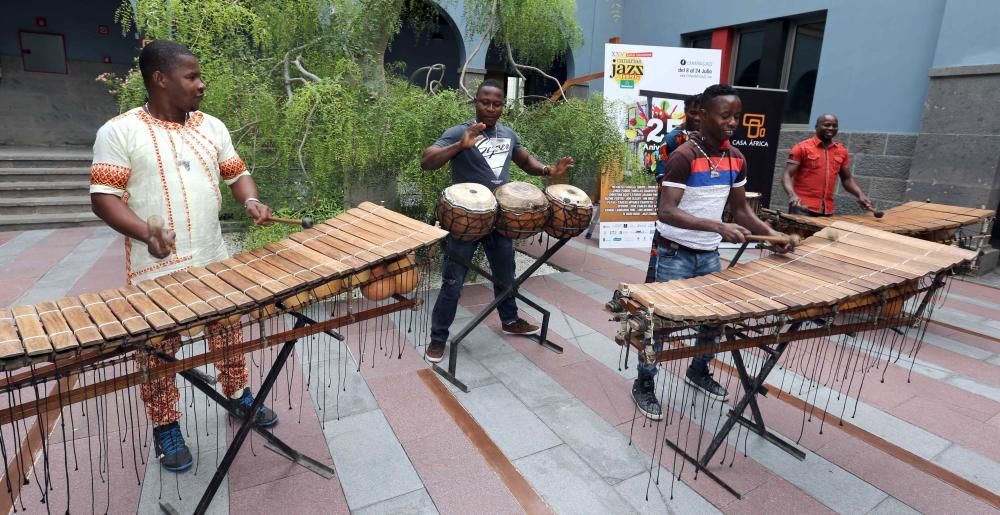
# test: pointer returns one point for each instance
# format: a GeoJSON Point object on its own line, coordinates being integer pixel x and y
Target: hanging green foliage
{"type": "Point", "coordinates": [293, 81]}
{"type": "Point", "coordinates": [538, 31]}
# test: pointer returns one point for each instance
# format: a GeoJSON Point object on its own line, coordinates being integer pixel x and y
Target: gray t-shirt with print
{"type": "Point", "coordinates": [486, 163]}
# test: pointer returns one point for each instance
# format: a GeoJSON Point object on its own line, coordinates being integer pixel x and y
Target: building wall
{"type": "Point", "coordinates": [77, 20]}
{"type": "Point", "coordinates": [874, 61]}
{"type": "Point", "coordinates": [55, 109]}
{"type": "Point", "coordinates": [968, 34]}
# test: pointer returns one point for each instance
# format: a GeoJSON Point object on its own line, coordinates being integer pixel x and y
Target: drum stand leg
{"type": "Point", "coordinates": [273, 442]}
{"type": "Point", "coordinates": [752, 387]}
{"type": "Point", "coordinates": [510, 291]}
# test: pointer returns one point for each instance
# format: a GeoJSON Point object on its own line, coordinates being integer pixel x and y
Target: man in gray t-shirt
{"type": "Point", "coordinates": [480, 151]}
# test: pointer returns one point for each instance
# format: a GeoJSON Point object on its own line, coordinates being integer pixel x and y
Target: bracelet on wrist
{"type": "Point", "coordinates": [246, 203]}
{"type": "Point", "coordinates": [545, 171]}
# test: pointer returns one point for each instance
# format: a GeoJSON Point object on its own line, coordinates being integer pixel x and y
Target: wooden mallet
{"type": "Point", "coordinates": [878, 214]}
{"type": "Point", "coordinates": [306, 222]}
{"type": "Point", "coordinates": [791, 238]}
{"type": "Point", "coordinates": [155, 225]}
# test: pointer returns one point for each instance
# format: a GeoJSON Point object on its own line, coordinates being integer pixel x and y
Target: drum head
{"type": "Point", "coordinates": [470, 196]}
{"type": "Point", "coordinates": [569, 195]}
{"type": "Point", "coordinates": [521, 196]}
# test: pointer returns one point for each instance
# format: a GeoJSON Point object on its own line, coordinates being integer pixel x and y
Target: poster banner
{"type": "Point", "coordinates": [757, 136]}
{"type": "Point", "coordinates": [645, 87]}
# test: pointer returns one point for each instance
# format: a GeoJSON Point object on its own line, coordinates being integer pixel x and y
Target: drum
{"type": "Point", "coordinates": [523, 210]}
{"type": "Point", "coordinates": [570, 211]}
{"type": "Point", "coordinates": [753, 198]}
{"type": "Point", "coordinates": [467, 210]}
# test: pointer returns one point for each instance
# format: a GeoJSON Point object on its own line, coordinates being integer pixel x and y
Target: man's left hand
{"type": "Point", "coordinates": [259, 212]}
{"type": "Point", "coordinates": [563, 166]}
{"type": "Point", "coordinates": [865, 203]}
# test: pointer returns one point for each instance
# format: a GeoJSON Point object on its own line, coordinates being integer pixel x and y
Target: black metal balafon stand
{"type": "Point", "coordinates": [205, 383]}
{"type": "Point", "coordinates": [508, 292]}
{"type": "Point", "coordinates": [753, 386]}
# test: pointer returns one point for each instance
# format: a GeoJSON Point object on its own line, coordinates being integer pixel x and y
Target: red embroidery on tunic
{"type": "Point", "coordinates": [112, 176]}
{"type": "Point", "coordinates": [232, 168]}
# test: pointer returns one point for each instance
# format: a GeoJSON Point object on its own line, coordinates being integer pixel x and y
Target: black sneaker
{"type": "Point", "coordinates": [171, 450]}
{"type": "Point", "coordinates": [704, 382]}
{"type": "Point", "coordinates": [644, 395]}
{"type": "Point", "coordinates": [434, 352]}
{"type": "Point", "coordinates": [520, 327]}
{"type": "Point", "coordinates": [266, 417]}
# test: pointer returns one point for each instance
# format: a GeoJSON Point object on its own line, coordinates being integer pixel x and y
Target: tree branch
{"type": "Point", "coordinates": [309, 75]}
{"type": "Point", "coordinates": [543, 74]}
{"type": "Point", "coordinates": [486, 34]}
{"type": "Point", "coordinates": [305, 134]}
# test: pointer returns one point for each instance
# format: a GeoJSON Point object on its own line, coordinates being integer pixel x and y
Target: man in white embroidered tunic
{"type": "Point", "coordinates": [166, 158]}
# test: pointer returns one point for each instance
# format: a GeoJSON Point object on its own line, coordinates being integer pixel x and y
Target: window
{"type": "Point", "coordinates": [748, 58]}
{"type": "Point", "coordinates": [781, 53]}
{"type": "Point", "coordinates": [800, 77]}
{"type": "Point", "coordinates": [703, 40]}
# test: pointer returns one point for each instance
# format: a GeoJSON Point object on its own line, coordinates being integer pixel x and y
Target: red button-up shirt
{"type": "Point", "coordinates": [816, 179]}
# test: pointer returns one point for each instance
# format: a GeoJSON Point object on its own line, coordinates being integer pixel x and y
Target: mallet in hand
{"type": "Point", "coordinates": [306, 222]}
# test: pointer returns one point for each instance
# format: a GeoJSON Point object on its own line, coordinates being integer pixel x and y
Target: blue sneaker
{"type": "Point", "coordinates": [171, 450]}
{"type": "Point", "coordinates": [266, 417]}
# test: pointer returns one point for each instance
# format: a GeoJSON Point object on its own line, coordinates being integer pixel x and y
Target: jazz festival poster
{"type": "Point", "coordinates": [645, 87]}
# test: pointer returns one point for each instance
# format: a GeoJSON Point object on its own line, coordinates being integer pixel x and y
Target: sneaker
{"type": "Point", "coordinates": [520, 327]}
{"type": "Point", "coordinates": [645, 399]}
{"type": "Point", "coordinates": [434, 352]}
{"type": "Point", "coordinates": [266, 417]}
{"type": "Point", "coordinates": [706, 384]}
{"type": "Point", "coordinates": [171, 450]}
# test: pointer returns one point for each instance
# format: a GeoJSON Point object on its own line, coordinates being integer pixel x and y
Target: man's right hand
{"type": "Point", "coordinates": [472, 135]}
{"type": "Point", "coordinates": [734, 233]}
{"type": "Point", "coordinates": [161, 247]}
{"type": "Point", "coordinates": [794, 201]}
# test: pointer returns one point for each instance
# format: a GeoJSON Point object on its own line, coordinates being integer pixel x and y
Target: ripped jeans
{"type": "Point", "coordinates": [500, 253]}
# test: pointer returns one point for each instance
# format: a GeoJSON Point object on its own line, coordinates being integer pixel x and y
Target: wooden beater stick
{"type": "Point", "coordinates": [791, 238]}
{"type": "Point", "coordinates": [306, 222]}
{"type": "Point", "coordinates": [878, 214]}
{"type": "Point", "coordinates": [155, 225]}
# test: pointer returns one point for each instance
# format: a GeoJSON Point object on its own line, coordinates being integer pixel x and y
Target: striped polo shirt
{"type": "Point", "coordinates": [706, 191]}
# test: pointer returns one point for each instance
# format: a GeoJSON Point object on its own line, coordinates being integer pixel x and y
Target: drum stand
{"type": "Point", "coordinates": [510, 291]}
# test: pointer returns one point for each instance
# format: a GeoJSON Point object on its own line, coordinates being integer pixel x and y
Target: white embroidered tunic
{"type": "Point", "coordinates": [172, 170]}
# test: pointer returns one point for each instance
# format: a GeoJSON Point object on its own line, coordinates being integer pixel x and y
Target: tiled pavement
{"type": "Point", "coordinates": [563, 421]}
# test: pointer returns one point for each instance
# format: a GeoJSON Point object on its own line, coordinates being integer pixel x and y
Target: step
{"type": "Point", "coordinates": [45, 157]}
{"type": "Point", "coordinates": [45, 163]}
{"type": "Point", "coordinates": [45, 174]}
{"type": "Point", "coordinates": [47, 221]}
{"type": "Point", "coordinates": [25, 189]}
{"type": "Point", "coordinates": [45, 205]}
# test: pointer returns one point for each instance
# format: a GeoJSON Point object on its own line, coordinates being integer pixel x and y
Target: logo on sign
{"type": "Point", "coordinates": [755, 125]}
{"type": "Point", "coordinates": [627, 68]}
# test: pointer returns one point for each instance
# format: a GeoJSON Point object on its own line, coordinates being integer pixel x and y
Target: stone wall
{"type": "Point", "coordinates": [48, 109]}
{"type": "Point", "coordinates": [880, 163]}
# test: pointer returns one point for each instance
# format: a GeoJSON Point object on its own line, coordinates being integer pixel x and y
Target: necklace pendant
{"type": "Point", "coordinates": [714, 174]}
{"type": "Point", "coordinates": [185, 163]}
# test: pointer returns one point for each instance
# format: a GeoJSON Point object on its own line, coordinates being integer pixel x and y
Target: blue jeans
{"type": "Point", "coordinates": [500, 253]}
{"type": "Point", "coordinates": [683, 264]}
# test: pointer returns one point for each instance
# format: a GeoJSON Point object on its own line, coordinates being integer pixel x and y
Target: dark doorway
{"type": "Point", "coordinates": [427, 38]}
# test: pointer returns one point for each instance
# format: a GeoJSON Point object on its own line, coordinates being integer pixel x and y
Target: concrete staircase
{"type": "Point", "coordinates": [45, 187]}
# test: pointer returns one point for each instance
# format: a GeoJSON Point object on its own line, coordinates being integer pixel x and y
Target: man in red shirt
{"type": "Point", "coordinates": [812, 168]}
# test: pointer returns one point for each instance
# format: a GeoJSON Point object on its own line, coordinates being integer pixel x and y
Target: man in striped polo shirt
{"type": "Point", "coordinates": [701, 176]}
